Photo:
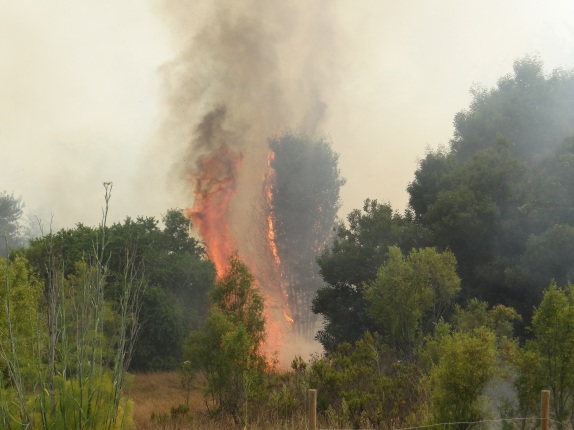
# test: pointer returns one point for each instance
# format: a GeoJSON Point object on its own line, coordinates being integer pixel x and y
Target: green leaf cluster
{"type": "Point", "coordinates": [227, 347]}
{"type": "Point", "coordinates": [411, 293]}
{"type": "Point", "coordinates": [304, 184]}
{"type": "Point", "coordinates": [177, 276]}
{"type": "Point", "coordinates": [365, 385]}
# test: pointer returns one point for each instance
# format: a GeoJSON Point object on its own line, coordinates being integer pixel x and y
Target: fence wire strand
{"type": "Point", "coordinates": [500, 420]}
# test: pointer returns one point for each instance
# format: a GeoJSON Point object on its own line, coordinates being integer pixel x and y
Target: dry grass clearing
{"type": "Point", "coordinates": [157, 393]}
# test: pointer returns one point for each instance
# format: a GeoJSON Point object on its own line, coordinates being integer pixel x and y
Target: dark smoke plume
{"type": "Point", "coordinates": [246, 70]}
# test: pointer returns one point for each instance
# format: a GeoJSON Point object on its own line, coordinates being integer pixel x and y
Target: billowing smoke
{"type": "Point", "coordinates": [251, 69]}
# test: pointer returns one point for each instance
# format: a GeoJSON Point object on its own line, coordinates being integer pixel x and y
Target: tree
{"type": "Point", "coordinates": [76, 372]}
{"type": "Point", "coordinates": [506, 176]}
{"type": "Point", "coordinates": [20, 298]}
{"type": "Point", "coordinates": [467, 362]}
{"type": "Point", "coordinates": [358, 251]}
{"type": "Point", "coordinates": [410, 294]}
{"type": "Point", "coordinates": [304, 186]}
{"type": "Point", "coordinates": [365, 385]}
{"type": "Point", "coordinates": [227, 348]}
{"type": "Point", "coordinates": [553, 328]}
{"type": "Point", "coordinates": [11, 209]}
{"type": "Point", "coordinates": [499, 319]}
{"type": "Point", "coordinates": [177, 273]}
{"type": "Point", "coordinates": [530, 110]}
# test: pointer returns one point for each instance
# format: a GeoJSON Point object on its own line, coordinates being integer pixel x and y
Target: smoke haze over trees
{"type": "Point", "coordinates": [505, 185]}
{"type": "Point", "coordinates": [11, 229]}
{"type": "Point", "coordinates": [475, 274]}
{"type": "Point", "coordinates": [500, 197]}
{"type": "Point", "coordinates": [304, 183]}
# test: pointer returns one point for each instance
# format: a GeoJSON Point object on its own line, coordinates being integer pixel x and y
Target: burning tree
{"type": "Point", "coordinates": [302, 191]}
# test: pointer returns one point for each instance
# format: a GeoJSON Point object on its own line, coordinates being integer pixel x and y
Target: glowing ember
{"type": "Point", "coordinates": [287, 317]}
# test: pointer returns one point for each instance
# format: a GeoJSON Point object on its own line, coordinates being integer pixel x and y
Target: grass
{"type": "Point", "coordinates": [157, 393]}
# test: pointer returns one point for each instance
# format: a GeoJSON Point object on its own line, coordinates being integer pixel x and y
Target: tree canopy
{"type": "Point", "coordinates": [359, 249]}
{"type": "Point", "coordinates": [177, 274]}
{"type": "Point", "coordinates": [11, 210]}
{"type": "Point", "coordinates": [503, 188]}
{"type": "Point", "coordinates": [304, 185]}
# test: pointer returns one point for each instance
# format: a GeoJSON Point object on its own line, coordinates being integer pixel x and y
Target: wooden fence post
{"type": "Point", "coordinates": [544, 409]}
{"type": "Point", "coordinates": [312, 409]}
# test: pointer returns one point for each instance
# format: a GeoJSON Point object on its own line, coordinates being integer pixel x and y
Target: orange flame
{"type": "Point", "coordinates": [214, 183]}
{"type": "Point", "coordinates": [268, 185]}
{"type": "Point", "coordinates": [281, 303]}
{"type": "Point", "coordinates": [214, 188]}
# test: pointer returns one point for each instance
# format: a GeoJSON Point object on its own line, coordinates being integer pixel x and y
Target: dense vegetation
{"type": "Point", "coordinates": [460, 309]}
{"type": "Point", "coordinates": [304, 185]}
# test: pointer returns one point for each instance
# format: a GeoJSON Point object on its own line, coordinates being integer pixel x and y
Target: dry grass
{"type": "Point", "coordinates": [158, 392]}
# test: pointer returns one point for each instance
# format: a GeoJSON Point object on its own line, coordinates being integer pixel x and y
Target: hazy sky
{"type": "Point", "coordinates": [82, 93]}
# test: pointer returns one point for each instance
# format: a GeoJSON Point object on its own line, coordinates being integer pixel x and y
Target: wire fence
{"type": "Point", "coordinates": [555, 424]}
{"type": "Point", "coordinates": [544, 420]}
{"type": "Point", "coordinates": [491, 421]}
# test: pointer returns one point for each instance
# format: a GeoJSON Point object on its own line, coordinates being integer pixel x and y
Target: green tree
{"type": "Point", "coordinates": [227, 348]}
{"type": "Point", "coordinates": [11, 209]}
{"type": "Point", "coordinates": [177, 273]}
{"type": "Point", "coordinates": [365, 385]}
{"type": "Point", "coordinates": [499, 319]}
{"type": "Point", "coordinates": [467, 362]}
{"type": "Point", "coordinates": [411, 293]}
{"type": "Point", "coordinates": [304, 187]}
{"type": "Point", "coordinates": [20, 299]}
{"type": "Point", "coordinates": [506, 176]}
{"type": "Point", "coordinates": [358, 251]}
{"type": "Point", "coordinates": [73, 376]}
{"type": "Point", "coordinates": [553, 328]}
{"type": "Point", "coordinates": [529, 109]}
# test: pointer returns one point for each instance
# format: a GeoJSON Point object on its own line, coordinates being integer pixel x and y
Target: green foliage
{"type": "Point", "coordinates": [304, 184]}
{"type": "Point", "coordinates": [411, 293]}
{"type": "Point", "coordinates": [500, 319]}
{"type": "Point", "coordinates": [81, 405]}
{"type": "Point", "coordinates": [179, 415]}
{"type": "Point", "coordinates": [528, 379]}
{"type": "Point", "coordinates": [530, 110]}
{"type": "Point", "coordinates": [227, 347]}
{"type": "Point", "coordinates": [550, 254]}
{"type": "Point", "coordinates": [553, 328]}
{"type": "Point", "coordinates": [163, 331]}
{"type": "Point", "coordinates": [364, 385]}
{"type": "Point", "coordinates": [11, 209]}
{"type": "Point", "coordinates": [177, 275]}
{"type": "Point", "coordinates": [19, 316]}
{"type": "Point", "coordinates": [354, 259]}
{"type": "Point", "coordinates": [71, 371]}
{"type": "Point", "coordinates": [84, 393]}
{"type": "Point", "coordinates": [467, 362]}
{"type": "Point", "coordinates": [501, 194]}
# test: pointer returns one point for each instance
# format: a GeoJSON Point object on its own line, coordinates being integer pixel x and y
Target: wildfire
{"type": "Point", "coordinates": [214, 182]}
{"type": "Point", "coordinates": [268, 186]}
{"type": "Point", "coordinates": [214, 187]}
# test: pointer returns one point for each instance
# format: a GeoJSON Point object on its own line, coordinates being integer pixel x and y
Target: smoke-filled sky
{"type": "Point", "coordinates": [110, 90]}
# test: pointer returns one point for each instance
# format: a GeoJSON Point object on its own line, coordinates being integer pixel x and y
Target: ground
{"type": "Point", "coordinates": [156, 393]}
